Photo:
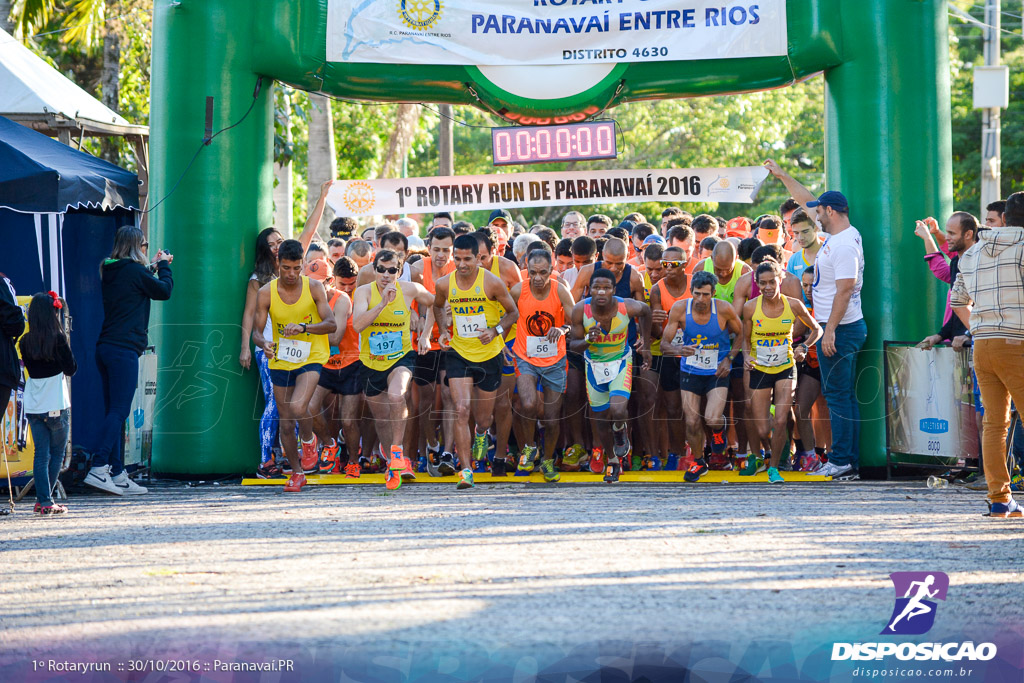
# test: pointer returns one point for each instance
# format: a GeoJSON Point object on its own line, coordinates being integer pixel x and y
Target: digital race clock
{"type": "Point", "coordinates": [539, 144]}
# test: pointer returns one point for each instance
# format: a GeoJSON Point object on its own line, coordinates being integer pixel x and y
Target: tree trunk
{"type": "Point", "coordinates": [322, 162]}
{"type": "Point", "coordinates": [406, 121]}
{"type": "Point", "coordinates": [5, 16]}
{"type": "Point", "coordinates": [446, 142]}
{"type": "Point", "coordinates": [283, 179]}
{"type": "Point", "coordinates": [110, 83]}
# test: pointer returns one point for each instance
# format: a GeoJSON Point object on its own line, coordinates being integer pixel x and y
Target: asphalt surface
{"type": "Point", "coordinates": [251, 567]}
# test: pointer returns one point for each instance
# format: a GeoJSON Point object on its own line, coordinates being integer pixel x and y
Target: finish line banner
{"type": "Point", "coordinates": [545, 32]}
{"type": "Point", "coordinates": [523, 190]}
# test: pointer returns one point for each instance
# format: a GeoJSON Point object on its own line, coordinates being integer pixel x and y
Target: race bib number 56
{"type": "Point", "coordinates": [540, 347]}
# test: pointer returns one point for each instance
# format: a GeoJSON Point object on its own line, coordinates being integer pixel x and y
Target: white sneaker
{"type": "Point", "coordinates": [833, 470]}
{"type": "Point", "coordinates": [99, 477]}
{"type": "Point", "coordinates": [128, 487]}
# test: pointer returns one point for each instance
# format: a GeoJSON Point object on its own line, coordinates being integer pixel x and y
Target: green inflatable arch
{"type": "Point", "coordinates": [888, 149]}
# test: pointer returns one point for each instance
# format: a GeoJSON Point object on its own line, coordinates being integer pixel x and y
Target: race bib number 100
{"type": "Point", "coordinates": [293, 350]}
{"type": "Point", "coordinates": [470, 325]}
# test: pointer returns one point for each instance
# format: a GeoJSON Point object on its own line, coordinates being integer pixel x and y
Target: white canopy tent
{"type": "Point", "coordinates": [38, 96]}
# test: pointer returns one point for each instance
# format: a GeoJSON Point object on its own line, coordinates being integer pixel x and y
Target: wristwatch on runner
{"type": "Point", "coordinates": [500, 330]}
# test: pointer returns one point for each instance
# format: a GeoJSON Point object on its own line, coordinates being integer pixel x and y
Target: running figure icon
{"type": "Point", "coordinates": [916, 595]}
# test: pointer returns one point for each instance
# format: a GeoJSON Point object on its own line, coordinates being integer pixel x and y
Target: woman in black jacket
{"type": "Point", "coordinates": [12, 324]}
{"type": "Point", "coordinates": [128, 287]}
{"type": "Point", "coordinates": [46, 351]}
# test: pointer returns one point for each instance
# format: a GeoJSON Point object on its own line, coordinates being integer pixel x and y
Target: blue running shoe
{"type": "Point", "coordinates": [774, 476]}
{"type": "Point", "coordinates": [1004, 510]}
{"type": "Point", "coordinates": [672, 462]}
{"type": "Point", "coordinates": [421, 464]}
{"type": "Point", "coordinates": [654, 463]}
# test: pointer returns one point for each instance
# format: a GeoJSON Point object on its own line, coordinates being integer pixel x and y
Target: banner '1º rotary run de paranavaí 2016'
{"type": "Point", "coordinates": [560, 188]}
{"type": "Point", "coordinates": [545, 32]}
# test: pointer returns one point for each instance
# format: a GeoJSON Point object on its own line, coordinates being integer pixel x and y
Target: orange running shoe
{"type": "Point", "coordinates": [295, 483]}
{"type": "Point", "coordinates": [309, 457]}
{"type": "Point", "coordinates": [597, 461]}
{"type": "Point", "coordinates": [352, 470]}
{"type": "Point", "coordinates": [392, 479]}
{"type": "Point", "coordinates": [329, 459]}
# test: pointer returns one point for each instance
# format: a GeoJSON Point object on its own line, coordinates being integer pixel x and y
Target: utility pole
{"type": "Point", "coordinates": [446, 143]}
{"type": "Point", "coordinates": [991, 122]}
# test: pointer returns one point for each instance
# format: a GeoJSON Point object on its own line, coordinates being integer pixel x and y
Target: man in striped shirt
{"type": "Point", "coordinates": [988, 296]}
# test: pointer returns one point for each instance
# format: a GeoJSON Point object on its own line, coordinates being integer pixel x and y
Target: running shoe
{"type": "Point", "coordinates": [328, 459]}
{"type": "Point", "coordinates": [717, 461]}
{"type": "Point", "coordinates": [774, 476]}
{"type": "Point", "coordinates": [686, 462]}
{"type": "Point", "coordinates": [833, 470]}
{"type": "Point", "coordinates": [621, 446]}
{"type": "Point", "coordinates": [547, 468]}
{"type": "Point", "coordinates": [421, 464]}
{"type": "Point", "coordinates": [365, 466]}
{"type": "Point", "coordinates": [672, 462]}
{"type": "Point", "coordinates": [309, 457]}
{"type": "Point", "coordinates": [352, 470]}
{"type": "Point", "coordinates": [526, 461]}
{"type": "Point", "coordinates": [697, 470]}
{"type": "Point", "coordinates": [479, 447]}
{"type": "Point", "coordinates": [653, 464]}
{"type": "Point", "coordinates": [754, 465]}
{"type": "Point", "coordinates": [377, 462]}
{"type": "Point", "coordinates": [499, 468]}
{"type": "Point", "coordinates": [268, 470]}
{"type": "Point", "coordinates": [446, 467]}
{"type": "Point", "coordinates": [48, 510]}
{"type": "Point", "coordinates": [571, 458]}
{"type": "Point", "coordinates": [433, 455]}
{"type": "Point", "coordinates": [727, 465]}
{"type": "Point", "coordinates": [612, 471]}
{"type": "Point", "coordinates": [392, 479]}
{"type": "Point", "coordinates": [597, 461]}
{"type": "Point", "coordinates": [295, 483]}
{"type": "Point", "coordinates": [719, 442]}
{"type": "Point", "coordinates": [636, 463]}
{"type": "Point", "coordinates": [1004, 510]}
{"type": "Point", "coordinates": [402, 465]}
{"type": "Point", "coordinates": [465, 479]}
{"type": "Point", "coordinates": [480, 466]}
{"type": "Point", "coordinates": [786, 466]}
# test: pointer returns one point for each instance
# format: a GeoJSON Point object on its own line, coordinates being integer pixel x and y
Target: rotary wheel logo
{"type": "Point", "coordinates": [420, 15]}
{"type": "Point", "coordinates": [724, 183]}
{"type": "Point", "coordinates": [359, 197]}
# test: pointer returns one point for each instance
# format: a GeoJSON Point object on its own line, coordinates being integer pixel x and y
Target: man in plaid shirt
{"type": "Point", "coordinates": [988, 296]}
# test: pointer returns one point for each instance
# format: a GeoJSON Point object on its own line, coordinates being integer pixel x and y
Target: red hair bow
{"type": "Point", "coordinates": [56, 300]}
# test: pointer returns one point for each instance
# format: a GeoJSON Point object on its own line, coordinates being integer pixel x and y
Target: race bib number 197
{"type": "Point", "coordinates": [385, 343]}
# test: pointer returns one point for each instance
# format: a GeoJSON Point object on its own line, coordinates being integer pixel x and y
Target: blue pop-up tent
{"type": "Point", "coordinates": [59, 209]}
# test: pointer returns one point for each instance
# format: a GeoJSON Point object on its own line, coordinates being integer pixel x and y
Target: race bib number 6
{"type": "Point", "coordinates": [605, 372]}
{"type": "Point", "coordinates": [293, 350]}
{"type": "Point", "coordinates": [470, 325]}
{"type": "Point", "coordinates": [540, 347]}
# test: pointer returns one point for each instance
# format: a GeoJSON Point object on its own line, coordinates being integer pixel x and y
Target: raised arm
{"type": "Point", "coordinates": [309, 229]}
{"type": "Point", "coordinates": [799, 193]}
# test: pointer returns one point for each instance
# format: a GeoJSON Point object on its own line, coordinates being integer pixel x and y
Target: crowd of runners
{"type": "Point", "coordinates": [678, 343]}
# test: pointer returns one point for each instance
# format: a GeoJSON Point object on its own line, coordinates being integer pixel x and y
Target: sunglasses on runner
{"type": "Point", "coordinates": [671, 264]}
{"type": "Point", "coordinates": [389, 271]}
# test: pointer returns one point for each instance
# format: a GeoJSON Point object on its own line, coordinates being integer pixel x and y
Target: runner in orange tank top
{"type": "Point", "coordinates": [674, 287]}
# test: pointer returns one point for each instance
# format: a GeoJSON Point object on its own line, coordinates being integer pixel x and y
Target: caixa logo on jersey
{"type": "Point", "coordinates": [916, 596]}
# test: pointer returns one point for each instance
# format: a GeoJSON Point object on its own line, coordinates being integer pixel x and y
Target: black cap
{"type": "Point", "coordinates": [500, 213]}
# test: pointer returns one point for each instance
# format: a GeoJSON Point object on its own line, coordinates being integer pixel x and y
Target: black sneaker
{"type": "Point", "coordinates": [697, 470]}
{"type": "Point", "coordinates": [499, 467]}
{"type": "Point", "coordinates": [447, 465]}
{"type": "Point", "coordinates": [269, 471]}
{"type": "Point", "coordinates": [612, 471]}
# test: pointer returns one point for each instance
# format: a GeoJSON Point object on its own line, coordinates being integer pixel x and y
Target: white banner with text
{"type": "Point", "coordinates": [558, 188]}
{"type": "Point", "coordinates": [545, 32]}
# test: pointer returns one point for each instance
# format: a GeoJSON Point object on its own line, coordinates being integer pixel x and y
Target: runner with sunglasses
{"type": "Point", "coordinates": [381, 314]}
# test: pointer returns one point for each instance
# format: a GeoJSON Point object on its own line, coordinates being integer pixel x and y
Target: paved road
{"type": "Point", "coordinates": [502, 565]}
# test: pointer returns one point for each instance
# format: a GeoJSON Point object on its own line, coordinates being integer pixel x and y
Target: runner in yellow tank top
{"type": "Point", "coordinates": [301, 319]}
{"type": "Point", "coordinates": [381, 314]}
{"type": "Point", "coordinates": [491, 249]}
{"type": "Point", "coordinates": [474, 338]}
{"type": "Point", "coordinates": [768, 323]}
